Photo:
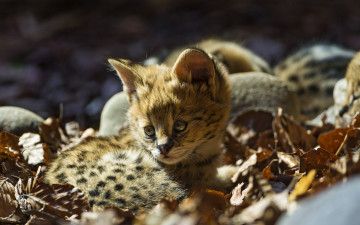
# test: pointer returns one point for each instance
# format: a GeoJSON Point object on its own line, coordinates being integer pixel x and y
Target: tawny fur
{"type": "Point", "coordinates": [313, 72]}
{"type": "Point", "coordinates": [131, 171]}
{"type": "Point", "coordinates": [353, 79]}
{"type": "Point", "coordinates": [235, 57]}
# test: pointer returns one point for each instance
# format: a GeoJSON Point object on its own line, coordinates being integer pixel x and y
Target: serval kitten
{"type": "Point", "coordinates": [177, 117]}
{"type": "Point", "coordinates": [235, 57]}
{"type": "Point", "coordinates": [313, 72]}
{"type": "Point", "coordinates": [351, 105]}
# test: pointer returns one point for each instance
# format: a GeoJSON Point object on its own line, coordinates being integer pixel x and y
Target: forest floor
{"type": "Point", "coordinates": [53, 53]}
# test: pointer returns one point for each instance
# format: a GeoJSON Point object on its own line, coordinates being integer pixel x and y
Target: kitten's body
{"type": "Point", "coordinates": [313, 72]}
{"type": "Point", "coordinates": [235, 57]}
{"type": "Point", "coordinates": [353, 80]}
{"type": "Point", "coordinates": [177, 116]}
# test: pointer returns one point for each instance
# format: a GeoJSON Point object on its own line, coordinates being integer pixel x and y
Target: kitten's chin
{"type": "Point", "coordinates": [170, 159]}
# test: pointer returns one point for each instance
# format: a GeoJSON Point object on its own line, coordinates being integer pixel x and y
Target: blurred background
{"type": "Point", "coordinates": [53, 52]}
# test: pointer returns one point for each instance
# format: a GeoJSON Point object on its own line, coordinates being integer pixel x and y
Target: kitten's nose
{"type": "Point", "coordinates": [165, 148]}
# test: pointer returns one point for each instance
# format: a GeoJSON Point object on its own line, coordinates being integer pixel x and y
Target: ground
{"type": "Point", "coordinates": [53, 53]}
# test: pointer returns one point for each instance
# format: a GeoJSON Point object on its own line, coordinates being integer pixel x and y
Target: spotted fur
{"type": "Point", "coordinates": [142, 166]}
{"type": "Point", "coordinates": [235, 57]}
{"type": "Point", "coordinates": [353, 80]}
{"type": "Point", "coordinates": [312, 72]}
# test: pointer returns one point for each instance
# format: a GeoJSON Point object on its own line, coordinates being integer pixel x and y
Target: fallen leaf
{"type": "Point", "coordinates": [33, 151]}
{"type": "Point", "coordinates": [271, 169]}
{"type": "Point", "coordinates": [316, 159]}
{"type": "Point", "coordinates": [72, 129]}
{"type": "Point", "coordinates": [8, 203]}
{"type": "Point", "coordinates": [51, 133]}
{"type": "Point", "coordinates": [288, 159]}
{"type": "Point", "coordinates": [332, 140]}
{"type": "Point", "coordinates": [248, 163]}
{"type": "Point", "coordinates": [63, 200]}
{"type": "Point", "coordinates": [303, 185]}
{"type": "Point", "coordinates": [237, 196]}
{"type": "Point", "coordinates": [233, 149]}
{"type": "Point", "coordinates": [269, 207]}
{"type": "Point", "coordinates": [290, 136]}
{"type": "Point", "coordinates": [355, 123]}
{"type": "Point", "coordinates": [248, 125]}
{"type": "Point", "coordinates": [9, 145]}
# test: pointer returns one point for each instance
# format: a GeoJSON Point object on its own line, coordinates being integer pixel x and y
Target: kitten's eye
{"type": "Point", "coordinates": [149, 131]}
{"type": "Point", "coordinates": [180, 126]}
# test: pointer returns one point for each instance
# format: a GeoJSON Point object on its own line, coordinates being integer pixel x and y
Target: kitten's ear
{"type": "Point", "coordinates": [127, 75]}
{"type": "Point", "coordinates": [193, 66]}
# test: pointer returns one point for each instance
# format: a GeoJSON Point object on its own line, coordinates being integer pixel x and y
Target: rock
{"type": "Point", "coordinates": [113, 114]}
{"type": "Point", "coordinates": [252, 90]}
{"type": "Point", "coordinates": [337, 205]}
{"type": "Point", "coordinates": [18, 120]}
{"type": "Point", "coordinates": [256, 90]}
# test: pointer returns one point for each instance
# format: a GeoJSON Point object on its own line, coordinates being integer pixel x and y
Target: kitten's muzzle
{"type": "Point", "coordinates": [165, 148]}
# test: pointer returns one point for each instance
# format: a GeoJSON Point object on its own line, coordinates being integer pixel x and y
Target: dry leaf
{"type": "Point", "coordinates": [8, 203]}
{"type": "Point", "coordinates": [237, 196]}
{"type": "Point", "coordinates": [288, 159]}
{"type": "Point", "coordinates": [233, 149]}
{"type": "Point", "coordinates": [332, 140]}
{"type": "Point", "coordinates": [303, 185]}
{"type": "Point", "coordinates": [269, 207]}
{"type": "Point", "coordinates": [33, 151]}
{"type": "Point", "coordinates": [63, 200]}
{"type": "Point", "coordinates": [72, 129]}
{"type": "Point", "coordinates": [271, 169]}
{"type": "Point", "coordinates": [248, 125]}
{"type": "Point", "coordinates": [317, 159]}
{"type": "Point", "coordinates": [51, 133]}
{"type": "Point", "coordinates": [248, 163]}
{"type": "Point", "coordinates": [356, 122]}
{"type": "Point", "coordinates": [290, 136]}
{"type": "Point", "coordinates": [9, 145]}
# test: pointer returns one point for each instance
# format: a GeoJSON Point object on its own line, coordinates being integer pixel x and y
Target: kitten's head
{"type": "Point", "coordinates": [177, 113]}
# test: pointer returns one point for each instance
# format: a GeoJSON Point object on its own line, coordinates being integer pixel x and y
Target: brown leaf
{"type": "Point", "coordinates": [317, 159]}
{"type": "Point", "coordinates": [48, 155]}
{"type": "Point", "coordinates": [215, 198]}
{"type": "Point", "coordinates": [51, 133]}
{"type": "Point", "coordinates": [271, 169]}
{"type": "Point", "coordinates": [9, 146]}
{"type": "Point", "coordinates": [266, 140]}
{"type": "Point", "coordinates": [248, 125]}
{"type": "Point", "coordinates": [233, 149]}
{"type": "Point", "coordinates": [332, 140]}
{"type": "Point", "coordinates": [8, 203]}
{"type": "Point", "coordinates": [356, 122]}
{"type": "Point", "coordinates": [13, 170]}
{"type": "Point", "coordinates": [290, 136]}
{"type": "Point", "coordinates": [353, 139]}
{"type": "Point", "coordinates": [263, 154]}
{"type": "Point", "coordinates": [63, 200]}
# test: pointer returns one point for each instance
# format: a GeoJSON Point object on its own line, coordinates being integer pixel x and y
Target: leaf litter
{"type": "Point", "coordinates": [279, 163]}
